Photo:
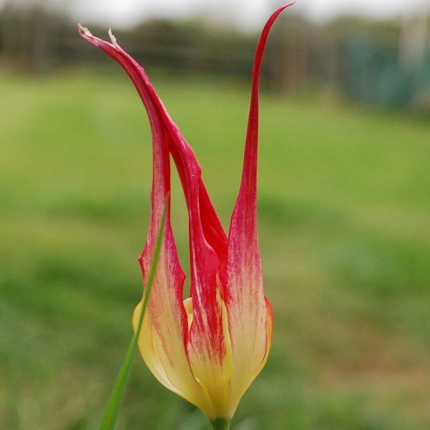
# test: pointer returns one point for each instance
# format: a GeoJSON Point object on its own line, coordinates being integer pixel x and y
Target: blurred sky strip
{"type": "Point", "coordinates": [245, 14]}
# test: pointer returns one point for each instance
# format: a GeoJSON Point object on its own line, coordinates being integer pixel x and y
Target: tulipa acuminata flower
{"type": "Point", "coordinates": [209, 347]}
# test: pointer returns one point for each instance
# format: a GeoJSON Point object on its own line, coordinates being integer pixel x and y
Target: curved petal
{"type": "Point", "coordinates": [208, 242]}
{"type": "Point", "coordinates": [242, 276]}
{"type": "Point", "coordinates": [173, 373]}
{"type": "Point", "coordinates": [166, 330]}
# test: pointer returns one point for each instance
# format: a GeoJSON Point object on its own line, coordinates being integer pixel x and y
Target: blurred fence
{"type": "Point", "coordinates": [378, 74]}
{"type": "Point", "coordinates": [380, 63]}
{"type": "Point", "coordinates": [383, 63]}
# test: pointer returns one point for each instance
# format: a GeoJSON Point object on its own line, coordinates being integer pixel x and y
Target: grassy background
{"type": "Point", "coordinates": [344, 224]}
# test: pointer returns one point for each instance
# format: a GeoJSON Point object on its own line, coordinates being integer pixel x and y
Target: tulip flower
{"type": "Point", "coordinates": [209, 347]}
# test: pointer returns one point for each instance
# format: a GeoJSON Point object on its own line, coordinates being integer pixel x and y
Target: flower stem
{"type": "Point", "coordinates": [221, 424]}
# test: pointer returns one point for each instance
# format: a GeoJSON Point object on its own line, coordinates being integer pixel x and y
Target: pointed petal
{"type": "Point", "coordinates": [250, 321]}
{"type": "Point", "coordinates": [162, 341]}
{"type": "Point", "coordinates": [186, 162]}
{"type": "Point", "coordinates": [208, 347]}
{"type": "Point", "coordinates": [208, 242]}
{"type": "Point", "coordinates": [164, 347]}
{"type": "Point", "coordinates": [208, 340]}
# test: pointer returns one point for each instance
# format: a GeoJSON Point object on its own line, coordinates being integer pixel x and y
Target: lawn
{"type": "Point", "coordinates": [344, 223]}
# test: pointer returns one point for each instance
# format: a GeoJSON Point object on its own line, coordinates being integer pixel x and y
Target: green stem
{"type": "Point", "coordinates": [221, 424]}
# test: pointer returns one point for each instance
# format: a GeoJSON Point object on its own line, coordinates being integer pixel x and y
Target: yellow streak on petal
{"type": "Point", "coordinates": [249, 366]}
{"type": "Point", "coordinates": [188, 305]}
{"type": "Point", "coordinates": [148, 348]}
{"type": "Point", "coordinates": [176, 376]}
{"type": "Point", "coordinates": [269, 332]}
{"type": "Point", "coordinates": [214, 376]}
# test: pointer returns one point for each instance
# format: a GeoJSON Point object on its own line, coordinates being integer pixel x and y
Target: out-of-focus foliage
{"type": "Point", "coordinates": [372, 62]}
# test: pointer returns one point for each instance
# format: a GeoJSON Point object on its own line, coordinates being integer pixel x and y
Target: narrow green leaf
{"type": "Point", "coordinates": [117, 394]}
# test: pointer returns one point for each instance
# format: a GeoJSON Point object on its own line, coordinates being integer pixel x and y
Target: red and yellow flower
{"type": "Point", "coordinates": [209, 347]}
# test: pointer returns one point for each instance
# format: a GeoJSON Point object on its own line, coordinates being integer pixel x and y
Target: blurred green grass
{"type": "Point", "coordinates": [344, 221]}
